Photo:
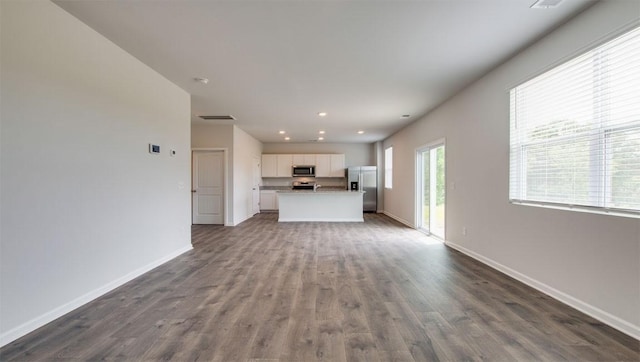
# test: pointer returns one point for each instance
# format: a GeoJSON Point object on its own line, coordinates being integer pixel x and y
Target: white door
{"type": "Point", "coordinates": [208, 187]}
{"type": "Point", "coordinates": [257, 180]}
{"type": "Point", "coordinates": [431, 189]}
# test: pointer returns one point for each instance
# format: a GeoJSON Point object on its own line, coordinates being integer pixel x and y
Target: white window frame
{"type": "Point", "coordinates": [600, 173]}
{"type": "Point", "coordinates": [388, 168]}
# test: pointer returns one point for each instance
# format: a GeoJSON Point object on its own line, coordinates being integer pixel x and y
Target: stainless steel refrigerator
{"type": "Point", "coordinates": [365, 178]}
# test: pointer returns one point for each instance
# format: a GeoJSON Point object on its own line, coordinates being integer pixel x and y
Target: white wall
{"type": "Point", "coordinates": [242, 149]}
{"type": "Point", "coordinates": [245, 149]}
{"type": "Point", "coordinates": [589, 261]}
{"type": "Point", "coordinates": [203, 136]}
{"type": "Point", "coordinates": [208, 136]}
{"type": "Point", "coordinates": [355, 154]}
{"type": "Point", "coordinates": [85, 207]}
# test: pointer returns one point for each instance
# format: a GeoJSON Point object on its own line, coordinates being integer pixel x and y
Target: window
{"type": "Point", "coordinates": [388, 168]}
{"type": "Point", "coordinates": [575, 132]}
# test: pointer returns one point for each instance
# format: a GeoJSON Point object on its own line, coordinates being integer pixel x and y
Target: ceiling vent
{"type": "Point", "coordinates": [545, 4]}
{"type": "Point", "coordinates": [227, 118]}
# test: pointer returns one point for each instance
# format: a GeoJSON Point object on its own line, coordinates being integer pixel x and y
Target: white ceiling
{"type": "Point", "coordinates": [275, 64]}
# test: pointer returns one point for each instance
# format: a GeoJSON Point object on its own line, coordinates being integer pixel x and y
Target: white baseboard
{"type": "Point", "coordinates": [604, 317]}
{"type": "Point", "coordinates": [399, 219]}
{"type": "Point", "coordinates": [30, 326]}
{"type": "Point", "coordinates": [326, 219]}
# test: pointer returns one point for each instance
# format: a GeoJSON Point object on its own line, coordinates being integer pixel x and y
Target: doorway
{"type": "Point", "coordinates": [430, 205]}
{"type": "Point", "coordinates": [257, 180]}
{"type": "Point", "coordinates": [207, 187]}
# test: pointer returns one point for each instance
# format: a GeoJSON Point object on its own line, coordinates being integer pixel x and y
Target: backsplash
{"type": "Point", "coordinates": [324, 181]}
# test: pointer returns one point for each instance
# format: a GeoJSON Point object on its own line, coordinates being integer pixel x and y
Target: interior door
{"type": "Point", "coordinates": [208, 187]}
{"type": "Point", "coordinates": [257, 180]}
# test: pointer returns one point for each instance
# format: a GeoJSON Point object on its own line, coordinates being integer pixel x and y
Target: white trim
{"type": "Point", "coordinates": [399, 219]}
{"type": "Point", "coordinates": [239, 221]}
{"type": "Point", "coordinates": [35, 323]}
{"type": "Point", "coordinates": [594, 312]}
{"type": "Point", "coordinates": [578, 208]}
{"type": "Point", "coordinates": [418, 183]}
{"type": "Point", "coordinates": [312, 219]}
{"type": "Point", "coordinates": [227, 196]}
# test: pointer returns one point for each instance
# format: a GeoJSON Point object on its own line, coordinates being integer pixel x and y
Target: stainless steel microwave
{"type": "Point", "coordinates": [308, 171]}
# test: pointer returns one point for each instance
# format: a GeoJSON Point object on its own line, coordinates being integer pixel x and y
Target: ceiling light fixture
{"type": "Point", "coordinates": [321, 132]}
{"type": "Point", "coordinates": [282, 132]}
{"type": "Point", "coordinates": [320, 138]}
{"type": "Point", "coordinates": [287, 138]}
{"type": "Point", "coordinates": [201, 80]}
{"type": "Point", "coordinates": [360, 132]}
{"type": "Point", "coordinates": [322, 114]}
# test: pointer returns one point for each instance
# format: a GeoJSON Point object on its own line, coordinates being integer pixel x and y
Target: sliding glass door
{"type": "Point", "coordinates": [430, 168]}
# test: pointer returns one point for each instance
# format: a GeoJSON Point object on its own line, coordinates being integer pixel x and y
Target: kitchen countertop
{"type": "Point", "coordinates": [288, 188]}
{"type": "Point", "coordinates": [319, 191]}
{"type": "Point", "coordinates": [274, 188]}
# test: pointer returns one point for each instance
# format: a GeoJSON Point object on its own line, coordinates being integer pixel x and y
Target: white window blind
{"type": "Point", "coordinates": [575, 132]}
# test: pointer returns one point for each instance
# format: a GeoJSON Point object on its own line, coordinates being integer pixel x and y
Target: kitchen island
{"type": "Point", "coordinates": [320, 205]}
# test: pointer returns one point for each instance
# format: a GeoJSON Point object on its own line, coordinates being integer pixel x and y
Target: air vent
{"type": "Point", "coordinates": [228, 118]}
{"type": "Point", "coordinates": [545, 4]}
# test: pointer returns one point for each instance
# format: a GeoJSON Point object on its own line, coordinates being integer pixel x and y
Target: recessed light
{"type": "Point", "coordinates": [201, 80]}
{"type": "Point", "coordinates": [322, 114]}
{"type": "Point", "coordinates": [282, 132]}
{"type": "Point", "coordinates": [320, 138]}
{"type": "Point", "coordinates": [287, 138]}
{"type": "Point", "coordinates": [321, 132]}
{"type": "Point", "coordinates": [360, 132]}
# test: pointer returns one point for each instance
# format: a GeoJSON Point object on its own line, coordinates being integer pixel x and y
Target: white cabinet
{"type": "Point", "coordinates": [330, 165]}
{"type": "Point", "coordinates": [337, 165]}
{"type": "Point", "coordinates": [323, 165]}
{"type": "Point", "coordinates": [269, 166]}
{"type": "Point", "coordinates": [276, 165]}
{"type": "Point", "coordinates": [304, 159]}
{"type": "Point", "coordinates": [268, 200]}
{"type": "Point", "coordinates": [279, 165]}
{"type": "Point", "coordinates": [284, 165]}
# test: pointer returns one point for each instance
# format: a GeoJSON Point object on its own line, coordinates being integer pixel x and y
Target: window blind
{"type": "Point", "coordinates": [575, 131]}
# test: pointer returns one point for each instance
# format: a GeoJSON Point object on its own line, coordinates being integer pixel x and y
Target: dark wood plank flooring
{"type": "Point", "coordinates": [373, 291]}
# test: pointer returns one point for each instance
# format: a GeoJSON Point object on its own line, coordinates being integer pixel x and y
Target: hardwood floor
{"type": "Point", "coordinates": [373, 291]}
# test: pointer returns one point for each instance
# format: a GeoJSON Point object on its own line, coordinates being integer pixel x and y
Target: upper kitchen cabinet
{"type": "Point", "coordinates": [284, 165]}
{"type": "Point", "coordinates": [304, 160]}
{"type": "Point", "coordinates": [330, 165]}
{"type": "Point", "coordinates": [276, 165]}
{"type": "Point", "coordinates": [337, 165]}
{"type": "Point", "coordinates": [269, 165]}
{"type": "Point", "coordinates": [323, 165]}
{"type": "Point", "coordinates": [279, 165]}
